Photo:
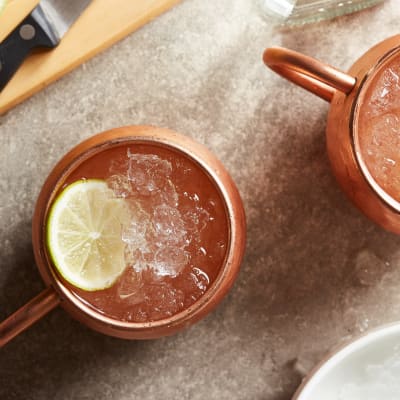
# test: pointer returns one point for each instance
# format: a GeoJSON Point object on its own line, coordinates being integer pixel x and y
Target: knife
{"type": "Point", "coordinates": [44, 27]}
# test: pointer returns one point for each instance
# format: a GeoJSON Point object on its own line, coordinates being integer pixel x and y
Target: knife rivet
{"type": "Point", "coordinates": [27, 32]}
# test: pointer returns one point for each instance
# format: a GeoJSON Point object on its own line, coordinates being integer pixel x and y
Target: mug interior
{"type": "Point", "coordinates": [375, 128]}
{"type": "Point", "coordinates": [68, 169]}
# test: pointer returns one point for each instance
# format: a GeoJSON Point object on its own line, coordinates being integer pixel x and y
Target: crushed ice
{"type": "Point", "coordinates": [377, 380]}
{"type": "Point", "coordinates": [380, 139]}
{"type": "Point", "coordinates": [157, 235]}
{"type": "Point", "coordinates": [385, 96]}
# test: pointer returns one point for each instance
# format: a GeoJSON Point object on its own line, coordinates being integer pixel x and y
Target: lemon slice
{"type": "Point", "coordinates": [84, 234]}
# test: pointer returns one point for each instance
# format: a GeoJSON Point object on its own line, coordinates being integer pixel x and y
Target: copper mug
{"type": "Point", "coordinates": [57, 293]}
{"type": "Point", "coordinates": [346, 93]}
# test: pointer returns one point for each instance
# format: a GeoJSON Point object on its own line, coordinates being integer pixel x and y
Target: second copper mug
{"type": "Point", "coordinates": [346, 93]}
{"type": "Point", "coordinates": [58, 293]}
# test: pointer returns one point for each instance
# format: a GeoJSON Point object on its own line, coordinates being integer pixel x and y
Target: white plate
{"type": "Point", "coordinates": [363, 361]}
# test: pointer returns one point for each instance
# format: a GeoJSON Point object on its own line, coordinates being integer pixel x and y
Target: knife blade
{"type": "Point", "coordinates": [44, 27]}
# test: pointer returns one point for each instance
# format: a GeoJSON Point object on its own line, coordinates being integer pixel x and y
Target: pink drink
{"type": "Point", "coordinates": [379, 128]}
{"type": "Point", "coordinates": [176, 240]}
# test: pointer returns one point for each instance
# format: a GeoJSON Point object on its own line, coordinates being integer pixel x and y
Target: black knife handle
{"type": "Point", "coordinates": [34, 31]}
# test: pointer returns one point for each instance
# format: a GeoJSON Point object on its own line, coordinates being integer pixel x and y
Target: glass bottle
{"type": "Point", "coordinates": [292, 12]}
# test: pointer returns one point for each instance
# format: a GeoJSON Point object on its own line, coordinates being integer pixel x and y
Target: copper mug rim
{"type": "Point", "coordinates": [363, 87]}
{"type": "Point", "coordinates": [58, 294]}
{"type": "Point", "coordinates": [329, 83]}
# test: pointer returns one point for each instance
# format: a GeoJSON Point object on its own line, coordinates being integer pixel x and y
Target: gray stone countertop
{"type": "Point", "coordinates": [316, 271]}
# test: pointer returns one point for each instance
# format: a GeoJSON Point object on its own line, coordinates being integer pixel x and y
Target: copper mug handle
{"type": "Point", "coordinates": [28, 314]}
{"type": "Point", "coordinates": [313, 75]}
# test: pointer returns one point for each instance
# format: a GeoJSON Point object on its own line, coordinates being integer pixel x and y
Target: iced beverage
{"type": "Point", "coordinates": [378, 127]}
{"type": "Point", "coordinates": [175, 237]}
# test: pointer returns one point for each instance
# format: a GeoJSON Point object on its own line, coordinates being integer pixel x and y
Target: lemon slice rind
{"type": "Point", "coordinates": [84, 234]}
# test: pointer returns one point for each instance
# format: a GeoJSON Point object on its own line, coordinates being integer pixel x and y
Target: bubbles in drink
{"type": "Point", "coordinates": [175, 237]}
{"type": "Point", "coordinates": [379, 128]}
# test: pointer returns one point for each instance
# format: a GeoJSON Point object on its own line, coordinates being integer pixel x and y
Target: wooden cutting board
{"type": "Point", "coordinates": [102, 24]}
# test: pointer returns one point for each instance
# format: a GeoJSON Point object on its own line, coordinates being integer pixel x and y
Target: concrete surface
{"type": "Point", "coordinates": [316, 271]}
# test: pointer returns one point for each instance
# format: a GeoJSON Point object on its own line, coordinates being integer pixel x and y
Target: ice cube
{"type": "Point", "coordinates": [200, 278]}
{"type": "Point", "coordinates": [148, 173]}
{"type": "Point", "coordinates": [195, 282]}
{"type": "Point", "coordinates": [134, 233]}
{"type": "Point", "coordinates": [130, 285]}
{"type": "Point", "coordinates": [380, 143]}
{"type": "Point", "coordinates": [385, 94]}
{"type": "Point", "coordinates": [170, 261]}
{"type": "Point", "coordinates": [120, 185]}
{"type": "Point", "coordinates": [168, 194]}
{"type": "Point", "coordinates": [385, 132]}
{"type": "Point", "coordinates": [169, 228]}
